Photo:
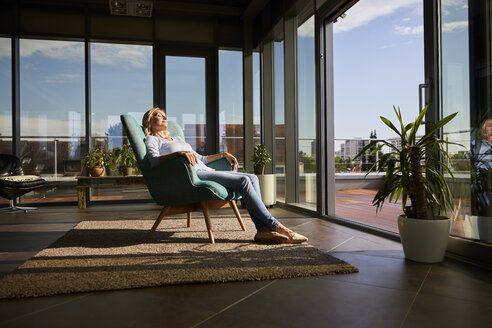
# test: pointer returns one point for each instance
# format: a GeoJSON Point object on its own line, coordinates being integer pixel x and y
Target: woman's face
{"type": "Point", "coordinates": [159, 121]}
{"type": "Point", "coordinates": [487, 129]}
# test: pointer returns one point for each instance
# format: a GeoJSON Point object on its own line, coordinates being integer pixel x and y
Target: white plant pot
{"type": "Point", "coordinates": [267, 188]}
{"type": "Point", "coordinates": [424, 240]}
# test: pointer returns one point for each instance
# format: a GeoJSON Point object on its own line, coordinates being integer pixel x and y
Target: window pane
{"type": "Point", "coordinates": [256, 98]}
{"type": "Point", "coordinates": [121, 83]}
{"type": "Point", "coordinates": [5, 96]}
{"type": "Point", "coordinates": [278, 68]}
{"type": "Point", "coordinates": [306, 114]}
{"type": "Point", "coordinates": [378, 63]}
{"type": "Point", "coordinates": [186, 98]}
{"type": "Point", "coordinates": [52, 111]}
{"type": "Point", "coordinates": [231, 104]}
{"type": "Point", "coordinates": [466, 89]}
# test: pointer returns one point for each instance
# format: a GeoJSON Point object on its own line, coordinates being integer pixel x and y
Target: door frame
{"type": "Point", "coordinates": [210, 54]}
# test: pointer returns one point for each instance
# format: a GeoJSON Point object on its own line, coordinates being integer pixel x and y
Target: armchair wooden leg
{"type": "Point", "coordinates": [189, 219]}
{"type": "Point", "coordinates": [238, 215]}
{"type": "Point", "coordinates": [158, 221]}
{"type": "Point", "coordinates": [207, 221]}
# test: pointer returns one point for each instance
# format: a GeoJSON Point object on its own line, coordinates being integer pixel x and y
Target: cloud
{"type": "Point", "coordinates": [121, 55]}
{"type": "Point", "coordinates": [5, 45]}
{"type": "Point", "coordinates": [454, 26]}
{"type": "Point", "coordinates": [128, 56]}
{"type": "Point", "coordinates": [366, 11]}
{"type": "Point", "coordinates": [447, 6]}
{"type": "Point", "coordinates": [408, 30]}
{"type": "Point", "coordinates": [66, 50]}
{"type": "Point", "coordinates": [306, 29]}
{"type": "Point", "coordinates": [61, 78]}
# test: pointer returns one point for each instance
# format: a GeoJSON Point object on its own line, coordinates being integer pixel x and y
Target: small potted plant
{"type": "Point", "coordinates": [95, 161]}
{"type": "Point", "coordinates": [126, 159]}
{"type": "Point", "coordinates": [415, 171]}
{"type": "Point", "coordinates": [261, 157]}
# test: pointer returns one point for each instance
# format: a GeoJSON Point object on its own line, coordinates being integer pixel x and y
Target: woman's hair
{"type": "Point", "coordinates": [147, 118]}
{"type": "Point", "coordinates": [484, 125]}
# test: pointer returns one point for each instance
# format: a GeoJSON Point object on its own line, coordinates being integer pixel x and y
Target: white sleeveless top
{"type": "Point", "coordinates": [157, 147]}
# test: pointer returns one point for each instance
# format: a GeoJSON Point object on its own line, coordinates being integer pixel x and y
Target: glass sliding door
{"type": "Point", "coordinates": [231, 130]}
{"type": "Point", "coordinates": [466, 68]}
{"type": "Point", "coordinates": [121, 83]}
{"type": "Point", "coordinates": [278, 84]}
{"type": "Point", "coordinates": [378, 63]}
{"type": "Point", "coordinates": [186, 97]}
{"type": "Point", "coordinates": [306, 90]}
{"type": "Point", "coordinates": [256, 99]}
{"type": "Point", "coordinates": [52, 112]}
{"type": "Point", "coordinates": [5, 96]}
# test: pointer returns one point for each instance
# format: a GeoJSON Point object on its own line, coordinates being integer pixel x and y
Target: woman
{"type": "Point", "coordinates": [161, 147]}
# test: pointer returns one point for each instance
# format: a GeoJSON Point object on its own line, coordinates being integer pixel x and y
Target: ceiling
{"type": "Point", "coordinates": [232, 8]}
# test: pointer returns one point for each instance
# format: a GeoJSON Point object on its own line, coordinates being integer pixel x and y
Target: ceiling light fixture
{"type": "Point", "coordinates": [131, 8]}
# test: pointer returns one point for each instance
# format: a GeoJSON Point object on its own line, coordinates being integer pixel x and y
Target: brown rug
{"type": "Point", "coordinates": [111, 255]}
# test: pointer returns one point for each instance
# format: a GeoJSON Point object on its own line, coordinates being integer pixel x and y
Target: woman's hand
{"type": "Point", "coordinates": [232, 160]}
{"type": "Point", "coordinates": [191, 156]}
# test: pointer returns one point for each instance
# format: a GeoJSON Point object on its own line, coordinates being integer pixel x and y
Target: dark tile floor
{"type": "Point", "coordinates": [387, 292]}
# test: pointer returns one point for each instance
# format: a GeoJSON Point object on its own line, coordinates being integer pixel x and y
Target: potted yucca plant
{"type": "Point", "coordinates": [414, 172]}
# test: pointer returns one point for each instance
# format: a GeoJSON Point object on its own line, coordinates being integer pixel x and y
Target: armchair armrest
{"type": "Point", "coordinates": [175, 182]}
{"type": "Point", "coordinates": [221, 165]}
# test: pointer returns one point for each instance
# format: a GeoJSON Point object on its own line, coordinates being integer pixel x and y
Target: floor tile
{"type": "Point", "coordinates": [314, 302]}
{"type": "Point", "coordinates": [173, 306]}
{"type": "Point", "coordinates": [458, 281]}
{"type": "Point", "coordinates": [437, 311]}
{"type": "Point", "coordinates": [386, 290]}
{"type": "Point", "coordinates": [382, 271]}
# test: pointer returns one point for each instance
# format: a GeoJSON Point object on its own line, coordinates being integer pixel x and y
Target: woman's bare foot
{"type": "Point", "coordinates": [293, 237]}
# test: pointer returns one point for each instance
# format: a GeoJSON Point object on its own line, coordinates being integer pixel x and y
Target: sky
{"type": "Point", "coordinates": [378, 62]}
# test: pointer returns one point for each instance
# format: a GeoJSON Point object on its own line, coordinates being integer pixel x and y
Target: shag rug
{"type": "Point", "coordinates": [112, 255]}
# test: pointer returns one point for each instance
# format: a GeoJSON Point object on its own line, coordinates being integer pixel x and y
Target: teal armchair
{"type": "Point", "coordinates": [174, 183]}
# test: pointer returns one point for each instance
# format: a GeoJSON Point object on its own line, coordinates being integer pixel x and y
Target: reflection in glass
{"type": "Point", "coordinates": [121, 83]}
{"type": "Point", "coordinates": [306, 114]}
{"type": "Point", "coordinates": [5, 96]}
{"type": "Point", "coordinates": [52, 105]}
{"type": "Point", "coordinates": [231, 104]}
{"type": "Point", "coordinates": [378, 63]}
{"type": "Point", "coordinates": [278, 69]}
{"type": "Point", "coordinates": [52, 112]}
{"type": "Point", "coordinates": [186, 98]}
{"type": "Point", "coordinates": [466, 89]}
{"type": "Point", "coordinates": [256, 98]}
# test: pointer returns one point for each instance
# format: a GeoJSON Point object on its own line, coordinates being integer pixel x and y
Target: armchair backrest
{"type": "Point", "coordinates": [137, 138]}
{"type": "Point", "coordinates": [10, 165]}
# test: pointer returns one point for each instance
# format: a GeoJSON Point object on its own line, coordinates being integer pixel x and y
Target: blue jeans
{"type": "Point", "coordinates": [247, 186]}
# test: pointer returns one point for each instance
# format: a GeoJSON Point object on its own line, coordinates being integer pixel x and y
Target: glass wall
{"type": "Point", "coordinates": [121, 83]}
{"type": "Point", "coordinates": [278, 83]}
{"type": "Point", "coordinates": [256, 98]}
{"type": "Point", "coordinates": [5, 96]}
{"type": "Point", "coordinates": [186, 98]}
{"type": "Point", "coordinates": [465, 88]}
{"type": "Point", "coordinates": [231, 131]}
{"type": "Point", "coordinates": [378, 63]}
{"type": "Point", "coordinates": [52, 102]}
{"type": "Point", "coordinates": [306, 90]}
{"type": "Point", "coordinates": [52, 107]}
